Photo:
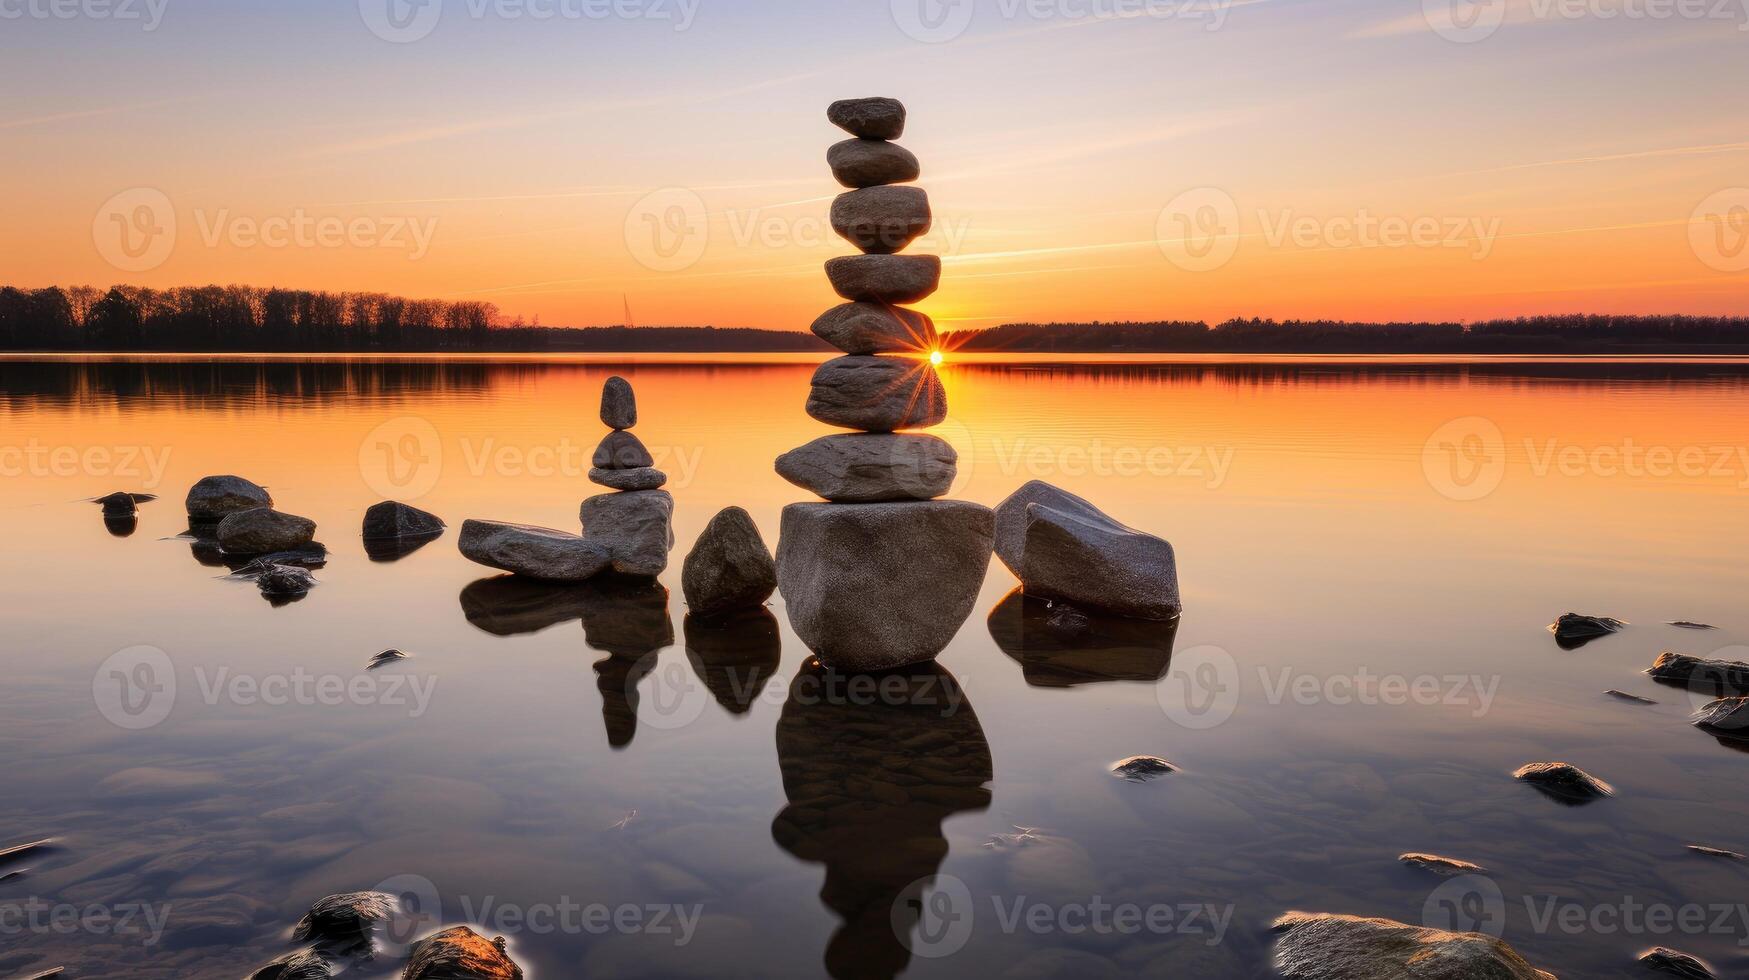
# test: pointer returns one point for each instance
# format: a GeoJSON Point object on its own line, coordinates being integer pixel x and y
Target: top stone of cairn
{"type": "Point", "coordinates": [869, 119]}
{"type": "Point", "coordinates": [619, 406]}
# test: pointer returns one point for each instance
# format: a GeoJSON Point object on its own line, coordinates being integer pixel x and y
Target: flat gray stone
{"type": "Point", "coordinates": [642, 478]}
{"type": "Point", "coordinates": [392, 520]}
{"type": "Point", "coordinates": [622, 451]}
{"type": "Point", "coordinates": [729, 568]}
{"type": "Point", "coordinates": [872, 118]}
{"type": "Point", "coordinates": [882, 220]}
{"type": "Point", "coordinates": [1315, 946]}
{"type": "Point", "coordinates": [635, 527]}
{"type": "Point", "coordinates": [877, 394]}
{"type": "Point", "coordinates": [533, 552]}
{"type": "Point", "coordinates": [871, 587]}
{"type": "Point", "coordinates": [264, 530]}
{"type": "Point", "coordinates": [891, 279]}
{"type": "Point", "coordinates": [619, 406]}
{"type": "Point", "coordinates": [216, 496]}
{"type": "Point", "coordinates": [1011, 518]}
{"type": "Point", "coordinates": [872, 467]}
{"type": "Point", "coordinates": [872, 163]}
{"type": "Point", "coordinates": [1097, 563]}
{"type": "Point", "coordinates": [873, 328]}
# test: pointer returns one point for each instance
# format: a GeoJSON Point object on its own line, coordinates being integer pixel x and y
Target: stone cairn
{"type": "Point", "coordinates": [884, 574]}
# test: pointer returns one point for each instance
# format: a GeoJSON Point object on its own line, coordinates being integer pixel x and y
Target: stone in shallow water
{"type": "Point", "coordinates": [621, 451]}
{"type": "Point", "coordinates": [305, 964]}
{"type": "Point", "coordinates": [123, 504]}
{"type": "Point", "coordinates": [636, 528]}
{"type": "Point", "coordinates": [872, 467]}
{"type": "Point", "coordinates": [460, 953]}
{"type": "Point", "coordinates": [871, 587]}
{"type": "Point", "coordinates": [619, 405]}
{"type": "Point", "coordinates": [1011, 518]}
{"type": "Point", "coordinates": [1058, 645]}
{"type": "Point", "coordinates": [347, 921]}
{"type": "Point", "coordinates": [285, 582]}
{"type": "Point", "coordinates": [392, 520]}
{"type": "Point", "coordinates": [1315, 946]}
{"type": "Point", "coordinates": [882, 220]}
{"type": "Point", "coordinates": [1142, 768]}
{"type": "Point", "coordinates": [874, 328]}
{"type": "Point", "coordinates": [877, 394]}
{"type": "Point", "coordinates": [536, 552]}
{"type": "Point", "coordinates": [1625, 696]}
{"type": "Point", "coordinates": [891, 279]}
{"type": "Point", "coordinates": [1718, 678]}
{"type": "Point", "coordinates": [1668, 961]}
{"type": "Point", "coordinates": [1718, 852]}
{"type": "Point", "coordinates": [872, 163]}
{"type": "Point", "coordinates": [1726, 716]}
{"type": "Point", "coordinates": [1094, 562]}
{"type": "Point", "coordinates": [1564, 782]}
{"type": "Point", "coordinates": [264, 530]}
{"type": "Point", "coordinates": [216, 496]}
{"type": "Point", "coordinates": [729, 567]}
{"type": "Point", "coordinates": [1449, 867]}
{"type": "Point", "coordinates": [1575, 630]}
{"type": "Point", "coordinates": [644, 478]}
{"type": "Point", "coordinates": [872, 118]}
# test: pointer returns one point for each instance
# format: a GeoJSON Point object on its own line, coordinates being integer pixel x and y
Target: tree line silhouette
{"type": "Point", "coordinates": [253, 320]}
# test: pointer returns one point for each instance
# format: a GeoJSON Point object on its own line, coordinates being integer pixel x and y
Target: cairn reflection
{"type": "Point", "coordinates": [1058, 645]}
{"type": "Point", "coordinates": [628, 619]}
{"type": "Point", "coordinates": [734, 657]}
{"type": "Point", "coordinates": [872, 764]}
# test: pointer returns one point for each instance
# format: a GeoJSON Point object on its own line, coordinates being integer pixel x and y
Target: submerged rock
{"type": "Point", "coordinates": [348, 921]}
{"type": "Point", "coordinates": [619, 406]}
{"type": "Point", "coordinates": [729, 568]}
{"type": "Point", "coordinates": [460, 953]}
{"type": "Point", "coordinates": [874, 328]}
{"type": "Point", "coordinates": [1685, 624]}
{"type": "Point", "coordinates": [385, 658]}
{"type": "Point", "coordinates": [1095, 562]}
{"type": "Point", "coordinates": [635, 528]}
{"type": "Point", "coordinates": [1574, 630]}
{"type": "Point", "coordinates": [305, 964]}
{"type": "Point", "coordinates": [214, 497]}
{"type": "Point", "coordinates": [392, 520]}
{"type": "Point", "coordinates": [870, 119]}
{"type": "Point", "coordinates": [872, 163]}
{"type": "Point", "coordinates": [311, 555]}
{"type": "Point", "coordinates": [285, 583]}
{"type": "Point", "coordinates": [535, 552]}
{"type": "Point", "coordinates": [896, 280]}
{"type": "Point", "coordinates": [1665, 960]}
{"type": "Point", "coordinates": [1719, 678]}
{"type": "Point", "coordinates": [877, 394]}
{"type": "Point", "coordinates": [882, 220]}
{"type": "Point", "coordinates": [1625, 696]}
{"type": "Point", "coordinates": [1058, 645]}
{"type": "Point", "coordinates": [642, 478]}
{"type": "Point", "coordinates": [871, 587]}
{"type": "Point", "coordinates": [263, 531]}
{"type": "Point", "coordinates": [1717, 852]}
{"type": "Point", "coordinates": [1142, 768]}
{"type": "Point", "coordinates": [1726, 716]}
{"type": "Point", "coordinates": [872, 467]}
{"type": "Point", "coordinates": [1564, 782]}
{"type": "Point", "coordinates": [1449, 867]}
{"type": "Point", "coordinates": [123, 504]}
{"type": "Point", "coordinates": [1315, 946]}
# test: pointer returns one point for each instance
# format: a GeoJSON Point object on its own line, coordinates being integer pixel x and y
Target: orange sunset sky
{"type": "Point", "coordinates": [1087, 159]}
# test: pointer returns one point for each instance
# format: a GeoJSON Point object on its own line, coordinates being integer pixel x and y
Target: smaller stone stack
{"type": "Point", "coordinates": [635, 524]}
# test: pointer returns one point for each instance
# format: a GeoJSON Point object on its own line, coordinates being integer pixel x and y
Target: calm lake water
{"type": "Point", "coordinates": [1370, 552]}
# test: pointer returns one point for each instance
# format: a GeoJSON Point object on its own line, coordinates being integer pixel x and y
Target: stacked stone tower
{"type": "Point", "coordinates": [884, 574]}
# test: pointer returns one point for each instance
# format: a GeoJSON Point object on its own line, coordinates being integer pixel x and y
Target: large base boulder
{"type": "Point", "coordinates": [729, 568]}
{"type": "Point", "coordinates": [871, 587]}
{"type": "Point", "coordinates": [1345, 947]}
{"type": "Point", "coordinates": [534, 552]}
{"type": "Point", "coordinates": [214, 497]}
{"type": "Point", "coordinates": [263, 531]}
{"type": "Point", "coordinates": [872, 467]}
{"type": "Point", "coordinates": [636, 528]}
{"type": "Point", "coordinates": [877, 394]}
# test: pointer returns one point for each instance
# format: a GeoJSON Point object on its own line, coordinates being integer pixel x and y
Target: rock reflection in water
{"type": "Point", "coordinates": [1058, 645]}
{"type": "Point", "coordinates": [734, 657]}
{"type": "Point", "coordinates": [123, 526]}
{"type": "Point", "coordinates": [872, 765]}
{"type": "Point", "coordinates": [509, 605]}
{"type": "Point", "coordinates": [384, 550]}
{"type": "Point", "coordinates": [628, 618]}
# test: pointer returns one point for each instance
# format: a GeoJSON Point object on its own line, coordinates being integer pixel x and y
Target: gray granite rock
{"type": "Point", "coordinates": [1720, 678]}
{"type": "Point", "coordinates": [873, 328]}
{"type": "Point", "coordinates": [871, 467]}
{"type": "Point", "coordinates": [890, 279]}
{"type": "Point", "coordinates": [882, 220]}
{"type": "Point", "coordinates": [216, 496]}
{"type": "Point", "coordinates": [1097, 563]}
{"type": "Point", "coordinates": [533, 552]}
{"type": "Point", "coordinates": [622, 451]}
{"type": "Point", "coordinates": [1726, 716]}
{"type": "Point", "coordinates": [1011, 518]}
{"type": "Point", "coordinates": [872, 163]}
{"type": "Point", "coordinates": [872, 587]}
{"type": "Point", "coordinates": [729, 568]}
{"type": "Point", "coordinates": [872, 118]}
{"type": "Point", "coordinates": [264, 530]}
{"type": "Point", "coordinates": [460, 953]}
{"type": "Point", "coordinates": [1564, 781]}
{"type": "Point", "coordinates": [643, 478]}
{"type": "Point", "coordinates": [1576, 629]}
{"type": "Point", "coordinates": [636, 529]}
{"type": "Point", "coordinates": [1315, 946]}
{"type": "Point", "coordinates": [619, 406]}
{"type": "Point", "coordinates": [392, 520]}
{"type": "Point", "coordinates": [877, 394]}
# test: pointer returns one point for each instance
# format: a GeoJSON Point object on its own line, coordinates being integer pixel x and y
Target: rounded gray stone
{"type": "Point", "coordinates": [635, 527]}
{"type": "Point", "coordinates": [391, 520]}
{"type": "Point", "coordinates": [876, 118]}
{"type": "Point", "coordinates": [264, 530]}
{"type": "Point", "coordinates": [877, 394]}
{"type": "Point", "coordinates": [215, 496]}
{"type": "Point", "coordinates": [890, 279]}
{"type": "Point", "coordinates": [533, 552]}
{"type": "Point", "coordinates": [872, 467]}
{"type": "Point", "coordinates": [882, 220]}
{"type": "Point", "coordinates": [619, 406]}
{"type": "Point", "coordinates": [872, 163]}
{"type": "Point", "coordinates": [642, 478]}
{"type": "Point", "coordinates": [874, 328]}
{"type": "Point", "coordinates": [622, 451]}
{"type": "Point", "coordinates": [729, 567]}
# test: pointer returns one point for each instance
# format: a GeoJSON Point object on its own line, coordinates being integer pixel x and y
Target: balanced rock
{"type": "Point", "coordinates": [642, 478]}
{"type": "Point", "coordinates": [216, 496]}
{"type": "Point", "coordinates": [622, 451]}
{"type": "Point", "coordinates": [460, 954]}
{"type": "Point", "coordinates": [619, 406]}
{"type": "Point", "coordinates": [1097, 563]}
{"type": "Point", "coordinates": [264, 530]}
{"type": "Point", "coordinates": [873, 328]}
{"type": "Point", "coordinates": [1345, 947]}
{"type": "Point", "coordinates": [872, 163]}
{"type": "Point", "coordinates": [872, 587]}
{"type": "Point", "coordinates": [871, 467]}
{"type": "Point", "coordinates": [1727, 716]}
{"type": "Point", "coordinates": [871, 119]}
{"type": "Point", "coordinates": [877, 394]}
{"type": "Point", "coordinates": [890, 279]}
{"type": "Point", "coordinates": [392, 520]}
{"type": "Point", "coordinates": [1721, 678]}
{"type": "Point", "coordinates": [535, 552]}
{"type": "Point", "coordinates": [1563, 781]}
{"type": "Point", "coordinates": [882, 220]}
{"type": "Point", "coordinates": [635, 528]}
{"type": "Point", "coordinates": [729, 567]}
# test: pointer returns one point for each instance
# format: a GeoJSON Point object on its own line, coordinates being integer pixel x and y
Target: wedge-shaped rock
{"type": "Point", "coordinates": [1719, 678]}
{"type": "Point", "coordinates": [635, 528]}
{"type": "Point", "coordinates": [264, 530]}
{"type": "Point", "coordinates": [1011, 518]}
{"type": "Point", "coordinates": [882, 220]}
{"type": "Point", "coordinates": [643, 478]}
{"type": "Point", "coordinates": [877, 394]}
{"type": "Point", "coordinates": [1096, 563]}
{"type": "Point", "coordinates": [534, 552]}
{"type": "Point", "coordinates": [216, 496]}
{"type": "Point", "coordinates": [460, 954]}
{"type": "Point", "coordinates": [619, 405]}
{"type": "Point", "coordinates": [873, 118]}
{"type": "Point", "coordinates": [873, 328]}
{"type": "Point", "coordinates": [891, 279]}
{"type": "Point", "coordinates": [872, 163]}
{"type": "Point", "coordinates": [392, 520]}
{"type": "Point", "coordinates": [872, 467]}
{"type": "Point", "coordinates": [729, 568]}
{"type": "Point", "coordinates": [622, 451]}
{"type": "Point", "coordinates": [871, 587]}
{"type": "Point", "coordinates": [1344, 947]}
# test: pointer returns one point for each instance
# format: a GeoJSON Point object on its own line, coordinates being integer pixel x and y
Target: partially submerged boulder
{"type": "Point", "coordinates": [1564, 782]}
{"type": "Point", "coordinates": [635, 528]}
{"type": "Point", "coordinates": [1663, 959]}
{"type": "Point", "coordinates": [1574, 630]}
{"type": "Point", "coordinates": [729, 567]}
{"type": "Point", "coordinates": [460, 953]}
{"type": "Point", "coordinates": [346, 922]}
{"type": "Point", "coordinates": [214, 497]}
{"type": "Point", "coordinates": [1062, 547]}
{"type": "Point", "coordinates": [1314, 946]}
{"type": "Point", "coordinates": [305, 964]}
{"type": "Point", "coordinates": [535, 552]}
{"type": "Point", "coordinates": [1726, 716]}
{"type": "Point", "coordinates": [284, 583]}
{"type": "Point", "coordinates": [123, 504]}
{"type": "Point", "coordinates": [392, 520]}
{"type": "Point", "coordinates": [1719, 678]}
{"type": "Point", "coordinates": [264, 530]}
{"type": "Point", "coordinates": [1142, 768]}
